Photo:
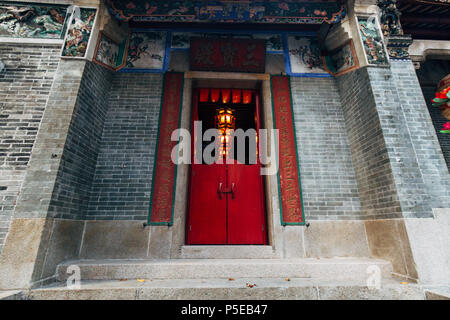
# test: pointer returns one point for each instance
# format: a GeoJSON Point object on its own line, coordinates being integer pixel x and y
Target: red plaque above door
{"type": "Point", "coordinates": [235, 55]}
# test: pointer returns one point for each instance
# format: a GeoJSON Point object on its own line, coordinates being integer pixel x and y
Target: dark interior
{"type": "Point", "coordinates": [245, 119]}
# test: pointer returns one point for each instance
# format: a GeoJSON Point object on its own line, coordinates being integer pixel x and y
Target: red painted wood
{"type": "Point", "coordinates": [164, 176]}
{"type": "Point", "coordinates": [246, 223]}
{"type": "Point", "coordinates": [238, 220]}
{"type": "Point", "coordinates": [235, 55]}
{"type": "Point", "coordinates": [207, 212]}
{"type": "Point", "coordinates": [288, 170]}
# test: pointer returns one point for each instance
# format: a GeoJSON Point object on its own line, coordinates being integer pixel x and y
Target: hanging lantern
{"type": "Point", "coordinates": [246, 96]}
{"type": "Point", "coordinates": [204, 95]}
{"type": "Point", "coordinates": [226, 95]}
{"type": "Point", "coordinates": [236, 96]}
{"type": "Point", "coordinates": [225, 122]}
{"type": "Point", "coordinates": [215, 93]}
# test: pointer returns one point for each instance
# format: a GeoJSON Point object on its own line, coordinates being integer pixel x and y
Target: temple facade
{"type": "Point", "coordinates": [105, 108]}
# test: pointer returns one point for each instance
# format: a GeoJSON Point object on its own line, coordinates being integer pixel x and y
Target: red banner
{"type": "Point", "coordinates": [289, 181]}
{"type": "Point", "coordinates": [235, 55]}
{"type": "Point", "coordinates": [164, 172]}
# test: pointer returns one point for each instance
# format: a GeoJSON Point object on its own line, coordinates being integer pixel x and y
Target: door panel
{"type": "Point", "coordinates": [207, 212]}
{"type": "Point", "coordinates": [246, 223]}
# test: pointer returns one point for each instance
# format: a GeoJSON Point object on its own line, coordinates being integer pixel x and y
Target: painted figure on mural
{"type": "Point", "coordinates": [227, 11]}
{"type": "Point", "coordinates": [304, 55]}
{"type": "Point", "coordinates": [372, 41]}
{"type": "Point", "coordinates": [32, 21]}
{"type": "Point", "coordinates": [79, 32]}
{"type": "Point", "coordinates": [146, 50]}
{"type": "Point", "coordinates": [107, 52]}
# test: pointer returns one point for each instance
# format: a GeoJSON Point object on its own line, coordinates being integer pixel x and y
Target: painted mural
{"type": "Point", "coordinates": [77, 38]}
{"type": "Point", "coordinates": [372, 41]}
{"type": "Point", "coordinates": [146, 50]}
{"type": "Point", "coordinates": [107, 52]}
{"type": "Point", "coordinates": [289, 11]}
{"type": "Point", "coordinates": [32, 21]}
{"type": "Point", "coordinates": [181, 40]}
{"type": "Point", "coordinates": [304, 55]}
{"type": "Point", "coordinates": [342, 59]}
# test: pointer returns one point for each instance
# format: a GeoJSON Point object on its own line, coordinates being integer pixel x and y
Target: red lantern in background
{"type": "Point", "coordinates": [204, 94]}
{"type": "Point", "coordinates": [236, 95]}
{"type": "Point", "coordinates": [226, 95]}
{"type": "Point", "coordinates": [215, 93]}
{"type": "Point", "coordinates": [246, 96]}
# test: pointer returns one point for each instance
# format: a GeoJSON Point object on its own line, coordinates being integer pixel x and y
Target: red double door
{"type": "Point", "coordinates": [226, 202]}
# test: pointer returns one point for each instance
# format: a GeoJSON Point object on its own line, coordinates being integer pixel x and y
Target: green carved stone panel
{"type": "Point", "coordinates": [27, 20]}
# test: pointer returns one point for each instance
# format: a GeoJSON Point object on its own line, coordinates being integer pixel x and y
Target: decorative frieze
{"type": "Point", "coordinates": [147, 51]}
{"type": "Point", "coordinates": [342, 59]}
{"type": "Point", "coordinates": [372, 41]}
{"type": "Point", "coordinates": [290, 12]}
{"type": "Point", "coordinates": [32, 20]}
{"type": "Point", "coordinates": [398, 46]}
{"type": "Point", "coordinates": [109, 53]}
{"type": "Point", "coordinates": [79, 32]}
{"type": "Point", "coordinates": [397, 43]}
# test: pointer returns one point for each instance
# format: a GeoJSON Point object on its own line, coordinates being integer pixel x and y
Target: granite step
{"type": "Point", "coordinates": [224, 289]}
{"type": "Point", "coordinates": [228, 252]}
{"type": "Point", "coordinates": [331, 269]}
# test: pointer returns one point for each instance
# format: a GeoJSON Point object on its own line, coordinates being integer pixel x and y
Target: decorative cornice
{"type": "Point", "coordinates": [285, 12]}
{"type": "Point", "coordinates": [397, 46]}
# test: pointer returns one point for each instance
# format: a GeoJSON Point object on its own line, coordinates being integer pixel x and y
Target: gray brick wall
{"type": "Point", "coordinates": [369, 151]}
{"type": "Point", "coordinates": [24, 89]}
{"type": "Point", "coordinates": [72, 188]}
{"type": "Point", "coordinates": [398, 163]}
{"type": "Point", "coordinates": [329, 186]}
{"type": "Point", "coordinates": [426, 148]}
{"type": "Point", "coordinates": [122, 182]}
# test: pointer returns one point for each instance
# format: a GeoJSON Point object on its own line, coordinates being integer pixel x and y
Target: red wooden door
{"type": "Point", "coordinates": [226, 201]}
{"type": "Point", "coordinates": [207, 207]}
{"type": "Point", "coordinates": [246, 223]}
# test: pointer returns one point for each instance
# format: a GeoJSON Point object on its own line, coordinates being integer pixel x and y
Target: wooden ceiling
{"type": "Point", "coordinates": [425, 19]}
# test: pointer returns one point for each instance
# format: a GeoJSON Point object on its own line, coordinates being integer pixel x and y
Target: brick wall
{"type": "Point", "coordinates": [122, 182]}
{"type": "Point", "coordinates": [369, 152]}
{"type": "Point", "coordinates": [72, 188]}
{"type": "Point", "coordinates": [426, 149]}
{"type": "Point", "coordinates": [398, 164]}
{"type": "Point", "coordinates": [328, 178]}
{"type": "Point", "coordinates": [24, 88]}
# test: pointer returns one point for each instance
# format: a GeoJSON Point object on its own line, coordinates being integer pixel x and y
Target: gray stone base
{"type": "Point", "coordinates": [330, 269]}
{"type": "Point", "coordinates": [224, 289]}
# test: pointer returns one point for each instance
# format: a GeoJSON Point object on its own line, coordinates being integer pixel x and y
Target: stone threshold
{"type": "Point", "coordinates": [331, 269]}
{"type": "Point", "coordinates": [228, 252]}
{"type": "Point", "coordinates": [224, 289]}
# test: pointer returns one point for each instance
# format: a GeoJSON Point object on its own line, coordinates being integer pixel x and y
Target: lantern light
{"type": "Point", "coordinates": [225, 122]}
{"type": "Point", "coordinates": [215, 93]}
{"type": "Point", "coordinates": [226, 95]}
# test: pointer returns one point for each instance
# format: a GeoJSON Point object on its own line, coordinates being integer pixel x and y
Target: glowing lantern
{"type": "Point", "coordinates": [236, 98]}
{"type": "Point", "coordinates": [246, 96]}
{"type": "Point", "coordinates": [215, 93]}
{"type": "Point", "coordinates": [226, 95]}
{"type": "Point", "coordinates": [225, 122]}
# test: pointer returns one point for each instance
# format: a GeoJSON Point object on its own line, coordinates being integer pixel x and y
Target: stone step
{"type": "Point", "coordinates": [223, 289]}
{"type": "Point", "coordinates": [332, 269]}
{"type": "Point", "coordinates": [227, 252]}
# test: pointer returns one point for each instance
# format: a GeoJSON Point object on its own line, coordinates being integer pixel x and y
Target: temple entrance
{"type": "Point", "coordinates": [226, 201]}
